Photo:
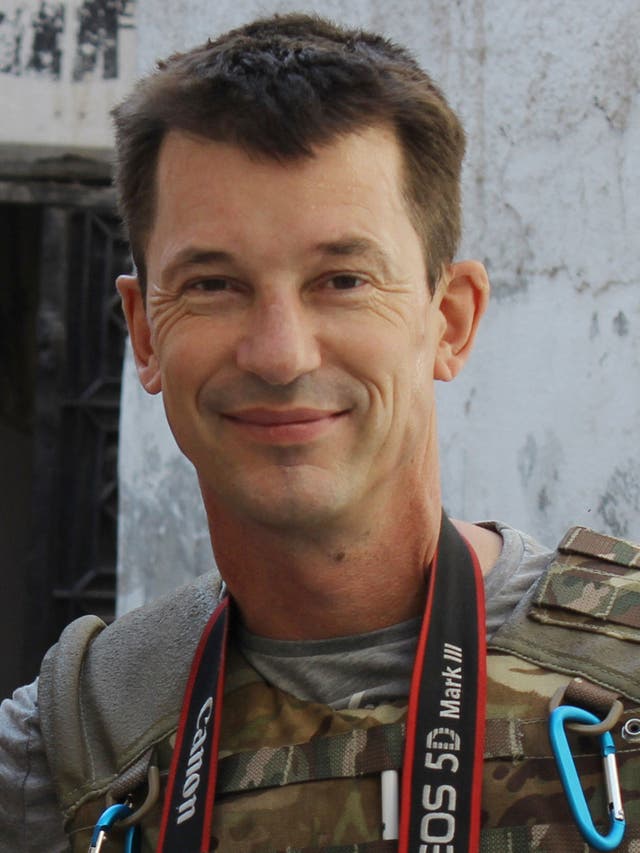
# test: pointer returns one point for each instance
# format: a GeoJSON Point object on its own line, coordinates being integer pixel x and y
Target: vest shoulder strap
{"type": "Point", "coordinates": [107, 695]}
{"type": "Point", "coordinates": [582, 617]}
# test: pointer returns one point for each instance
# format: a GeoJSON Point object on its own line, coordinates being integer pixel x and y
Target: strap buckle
{"type": "Point", "coordinates": [593, 698]}
{"type": "Point", "coordinates": [571, 783]}
{"type": "Point", "coordinates": [109, 817]}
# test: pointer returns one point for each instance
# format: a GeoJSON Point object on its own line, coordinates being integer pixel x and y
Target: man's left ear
{"type": "Point", "coordinates": [463, 302]}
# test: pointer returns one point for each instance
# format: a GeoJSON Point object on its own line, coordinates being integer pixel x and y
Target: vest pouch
{"type": "Point", "coordinates": [582, 618]}
{"type": "Point", "coordinates": [524, 807]}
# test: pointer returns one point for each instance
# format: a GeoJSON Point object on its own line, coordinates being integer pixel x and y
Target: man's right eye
{"type": "Point", "coordinates": [209, 285]}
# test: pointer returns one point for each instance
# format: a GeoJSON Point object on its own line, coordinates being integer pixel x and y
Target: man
{"type": "Point", "coordinates": [291, 192]}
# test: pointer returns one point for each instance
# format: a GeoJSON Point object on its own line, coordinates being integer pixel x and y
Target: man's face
{"type": "Point", "coordinates": [291, 327]}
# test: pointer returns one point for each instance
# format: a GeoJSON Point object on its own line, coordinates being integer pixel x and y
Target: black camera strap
{"type": "Point", "coordinates": [442, 770]}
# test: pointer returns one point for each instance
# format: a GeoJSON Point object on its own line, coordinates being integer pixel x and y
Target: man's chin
{"type": "Point", "coordinates": [294, 512]}
{"type": "Point", "coordinates": [294, 502]}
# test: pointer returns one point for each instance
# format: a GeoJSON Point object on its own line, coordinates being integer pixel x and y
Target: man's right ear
{"type": "Point", "coordinates": [140, 333]}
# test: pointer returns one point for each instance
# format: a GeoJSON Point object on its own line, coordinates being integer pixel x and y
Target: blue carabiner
{"type": "Point", "coordinates": [571, 783]}
{"type": "Point", "coordinates": [107, 819]}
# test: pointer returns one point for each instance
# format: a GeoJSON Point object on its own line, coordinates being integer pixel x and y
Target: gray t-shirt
{"type": "Point", "coordinates": [348, 670]}
{"type": "Point", "coordinates": [368, 669]}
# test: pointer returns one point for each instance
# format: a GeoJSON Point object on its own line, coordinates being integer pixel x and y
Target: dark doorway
{"type": "Point", "coordinates": [61, 343]}
{"type": "Point", "coordinates": [20, 231]}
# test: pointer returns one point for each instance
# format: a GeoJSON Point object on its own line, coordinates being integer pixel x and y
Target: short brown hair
{"type": "Point", "coordinates": [279, 87]}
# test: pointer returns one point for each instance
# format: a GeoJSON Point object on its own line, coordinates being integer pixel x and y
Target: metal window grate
{"type": "Point", "coordinates": [90, 408]}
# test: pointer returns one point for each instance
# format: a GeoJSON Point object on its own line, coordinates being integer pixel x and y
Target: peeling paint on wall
{"type": "Point", "coordinates": [527, 458]}
{"type": "Point", "coordinates": [543, 499]}
{"type": "Point", "coordinates": [620, 504]}
{"type": "Point", "coordinates": [469, 401]}
{"type": "Point", "coordinates": [621, 324]}
{"type": "Point", "coordinates": [514, 250]}
{"type": "Point", "coordinates": [539, 465]}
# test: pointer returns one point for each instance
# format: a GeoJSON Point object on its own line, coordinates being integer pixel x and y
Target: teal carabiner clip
{"type": "Point", "coordinates": [571, 783]}
{"type": "Point", "coordinates": [106, 821]}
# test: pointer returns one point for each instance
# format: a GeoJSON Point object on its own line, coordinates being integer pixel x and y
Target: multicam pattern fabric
{"type": "Point", "coordinates": [604, 595]}
{"type": "Point", "coordinates": [524, 806]}
{"type": "Point", "coordinates": [601, 598]}
{"type": "Point", "coordinates": [522, 789]}
{"type": "Point", "coordinates": [299, 777]}
{"type": "Point", "coordinates": [589, 543]}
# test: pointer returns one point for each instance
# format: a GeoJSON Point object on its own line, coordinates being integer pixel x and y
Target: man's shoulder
{"type": "Point", "coordinates": [154, 635]}
{"type": "Point", "coordinates": [163, 621]}
{"type": "Point", "coordinates": [108, 694]}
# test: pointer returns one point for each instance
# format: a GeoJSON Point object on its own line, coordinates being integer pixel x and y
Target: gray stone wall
{"type": "Point", "coordinates": [541, 428]}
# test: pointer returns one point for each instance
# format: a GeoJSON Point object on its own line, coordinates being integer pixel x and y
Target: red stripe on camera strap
{"type": "Point", "coordinates": [442, 771]}
{"type": "Point", "coordinates": [442, 768]}
{"type": "Point", "coordinates": [188, 805]}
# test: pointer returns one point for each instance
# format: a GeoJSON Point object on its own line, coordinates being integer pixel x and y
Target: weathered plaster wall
{"type": "Point", "coordinates": [541, 429]}
{"type": "Point", "coordinates": [162, 529]}
{"type": "Point", "coordinates": [63, 63]}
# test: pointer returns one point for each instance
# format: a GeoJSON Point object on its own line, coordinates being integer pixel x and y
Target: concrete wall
{"type": "Point", "coordinates": [541, 429]}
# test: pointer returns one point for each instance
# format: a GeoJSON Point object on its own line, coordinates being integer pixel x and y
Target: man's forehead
{"type": "Point", "coordinates": [196, 175]}
{"type": "Point", "coordinates": [379, 141]}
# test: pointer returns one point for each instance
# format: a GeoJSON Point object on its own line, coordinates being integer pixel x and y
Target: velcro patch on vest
{"type": "Point", "coordinates": [589, 543]}
{"type": "Point", "coordinates": [602, 596]}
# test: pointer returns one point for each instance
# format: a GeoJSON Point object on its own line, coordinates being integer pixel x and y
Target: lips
{"type": "Point", "coordinates": [277, 417]}
{"type": "Point", "coordinates": [283, 426]}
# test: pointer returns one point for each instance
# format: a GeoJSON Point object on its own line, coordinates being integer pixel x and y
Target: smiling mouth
{"type": "Point", "coordinates": [289, 426]}
{"type": "Point", "coordinates": [279, 417]}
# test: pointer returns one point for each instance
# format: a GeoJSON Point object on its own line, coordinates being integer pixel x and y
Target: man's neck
{"type": "Point", "coordinates": [293, 586]}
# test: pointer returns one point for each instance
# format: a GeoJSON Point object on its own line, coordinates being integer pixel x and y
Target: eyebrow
{"type": "Point", "coordinates": [348, 247]}
{"type": "Point", "coordinates": [192, 256]}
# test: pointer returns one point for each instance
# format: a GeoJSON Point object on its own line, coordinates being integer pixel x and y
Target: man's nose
{"type": "Point", "coordinates": [280, 344]}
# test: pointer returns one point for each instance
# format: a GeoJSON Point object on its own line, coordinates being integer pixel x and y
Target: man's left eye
{"type": "Point", "coordinates": [345, 282]}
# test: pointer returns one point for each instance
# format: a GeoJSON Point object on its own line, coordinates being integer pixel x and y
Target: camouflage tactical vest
{"type": "Point", "coordinates": [298, 776]}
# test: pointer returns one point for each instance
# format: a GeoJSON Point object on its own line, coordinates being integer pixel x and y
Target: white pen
{"type": "Point", "coordinates": [389, 793]}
